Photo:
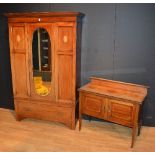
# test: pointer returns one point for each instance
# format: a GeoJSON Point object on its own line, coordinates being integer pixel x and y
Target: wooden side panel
{"type": "Point", "coordinates": [19, 62]}
{"type": "Point", "coordinates": [66, 62]}
{"type": "Point", "coordinates": [20, 75]}
{"type": "Point", "coordinates": [78, 56]}
{"type": "Point", "coordinates": [65, 77]}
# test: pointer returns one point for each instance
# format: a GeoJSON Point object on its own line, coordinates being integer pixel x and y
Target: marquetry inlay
{"type": "Point", "coordinates": [18, 38]}
{"type": "Point", "coordinates": [65, 39]}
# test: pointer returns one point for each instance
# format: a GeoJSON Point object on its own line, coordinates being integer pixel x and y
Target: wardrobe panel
{"type": "Point", "coordinates": [65, 77]}
{"type": "Point", "coordinates": [18, 33]}
{"type": "Point", "coordinates": [20, 77]}
{"type": "Point", "coordinates": [65, 38]}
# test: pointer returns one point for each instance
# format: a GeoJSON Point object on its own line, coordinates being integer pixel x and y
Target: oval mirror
{"type": "Point", "coordinates": [41, 53]}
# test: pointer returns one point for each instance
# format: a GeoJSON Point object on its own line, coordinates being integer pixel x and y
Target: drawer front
{"type": "Point", "coordinates": [121, 112]}
{"type": "Point", "coordinates": [32, 109]}
{"type": "Point", "coordinates": [93, 105]}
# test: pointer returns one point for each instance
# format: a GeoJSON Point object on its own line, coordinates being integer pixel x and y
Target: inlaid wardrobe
{"type": "Point", "coordinates": [45, 64]}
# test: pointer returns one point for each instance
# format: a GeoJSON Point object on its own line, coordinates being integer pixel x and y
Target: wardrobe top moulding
{"type": "Point", "coordinates": [34, 17]}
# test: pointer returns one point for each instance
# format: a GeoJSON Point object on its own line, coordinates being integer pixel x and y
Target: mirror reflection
{"type": "Point", "coordinates": [41, 53]}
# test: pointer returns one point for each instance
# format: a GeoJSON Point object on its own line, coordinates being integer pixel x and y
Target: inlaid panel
{"type": "Point", "coordinates": [120, 111]}
{"type": "Point", "coordinates": [92, 105]}
{"type": "Point", "coordinates": [65, 38]}
{"type": "Point", "coordinates": [18, 37]}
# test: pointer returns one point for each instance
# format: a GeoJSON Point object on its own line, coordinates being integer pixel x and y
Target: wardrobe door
{"type": "Point", "coordinates": [19, 60]}
{"type": "Point", "coordinates": [41, 56]}
{"type": "Point", "coordinates": [66, 62]}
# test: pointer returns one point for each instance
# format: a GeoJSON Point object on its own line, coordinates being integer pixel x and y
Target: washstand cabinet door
{"type": "Point", "coordinates": [93, 105]}
{"type": "Point", "coordinates": [121, 112]}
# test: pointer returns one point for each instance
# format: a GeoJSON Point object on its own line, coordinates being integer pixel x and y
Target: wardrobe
{"type": "Point", "coordinates": [45, 63]}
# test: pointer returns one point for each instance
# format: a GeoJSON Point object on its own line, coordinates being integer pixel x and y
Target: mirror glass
{"type": "Point", "coordinates": [41, 53]}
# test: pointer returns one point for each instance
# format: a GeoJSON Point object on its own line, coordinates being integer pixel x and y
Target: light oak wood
{"type": "Point", "coordinates": [35, 135]}
{"type": "Point", "coordinates": [60, 103]}
{"type": "Point", "coordinates": [114, 101]}
{"type": "Point", "coordinates": [117, 89]}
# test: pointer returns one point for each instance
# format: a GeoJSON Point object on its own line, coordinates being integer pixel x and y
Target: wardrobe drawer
{"type": "Point", "coordinates": [44, 111]}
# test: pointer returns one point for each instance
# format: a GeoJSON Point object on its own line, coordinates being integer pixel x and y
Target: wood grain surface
{"type": "Point", "coordinates": [63, 30]}
{"type": "Point", "coordinates": [114, 101]}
